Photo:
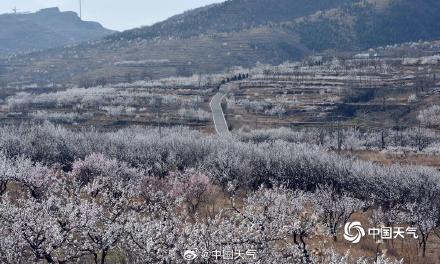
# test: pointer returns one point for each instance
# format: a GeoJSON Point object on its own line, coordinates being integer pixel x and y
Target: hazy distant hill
{"type": "Point", "coordinates": [45, 29]}
{"type": "Point", "coordinates": [236, 32]}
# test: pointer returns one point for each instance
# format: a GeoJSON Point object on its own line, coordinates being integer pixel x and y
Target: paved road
{"type": "Point", "coordinates": [221, 126]}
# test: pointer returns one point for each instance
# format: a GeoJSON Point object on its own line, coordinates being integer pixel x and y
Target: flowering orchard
{"type": "Point", "coordinates": [141, 195]}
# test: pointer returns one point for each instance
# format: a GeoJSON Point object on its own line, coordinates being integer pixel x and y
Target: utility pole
{"type": "Point", "coordinates": [15, 10]}
{"type": "Point", "coordinates": [80, 9]}
{"type": "Point", "coordinates": [339, 134]}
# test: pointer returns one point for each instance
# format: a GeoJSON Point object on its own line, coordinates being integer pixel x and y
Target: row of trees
{"type": "Point", "coordinates": [160, 152]}
{"type": "Point", "coordinates": [399, 140]}
{"type": "Point", "coordinates": [261, 107]}
{"type": "Point", "coordinates": [99, 97]}
{"type": "Point", "coordinates": [430, 117]}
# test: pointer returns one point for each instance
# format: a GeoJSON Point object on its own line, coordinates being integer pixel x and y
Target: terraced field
{"type": "Point", "coordinates": [124, 61]}
{"type": "Point", "coordinates": [373, 91]}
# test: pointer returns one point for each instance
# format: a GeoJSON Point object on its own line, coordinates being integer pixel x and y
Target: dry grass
{"type": "Point", "coordinates": [392, 158]}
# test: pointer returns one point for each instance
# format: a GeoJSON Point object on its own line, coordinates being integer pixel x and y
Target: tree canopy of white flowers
{"type": "Point", "coordinates": [109, 97]}
{"type": "Point", "coordinates": [430, 117]}
{"type": "Point", "coordinates": [201, 80]}
{"type": "Point", "coordinates": [143, 195]}
{"type": "Point", "coordinates": [405, 140]}
{"type": "Point", "coordinates": [199, 114]}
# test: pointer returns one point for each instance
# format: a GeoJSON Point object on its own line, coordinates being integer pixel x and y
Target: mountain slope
{"type": "Point", "coordinates": [121, 61]}
{"type": "Point", "coordinates": [229, 16]}
{"type": "Point", "coordinates": [362, 25]}
{"type": "Point", "coordinates": [237, 32]}
{"type": "Point", "coordinates": [45, 29]}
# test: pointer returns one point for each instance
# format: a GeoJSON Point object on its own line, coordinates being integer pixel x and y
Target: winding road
{"type": "Point", "coordinates": [221, 126]}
